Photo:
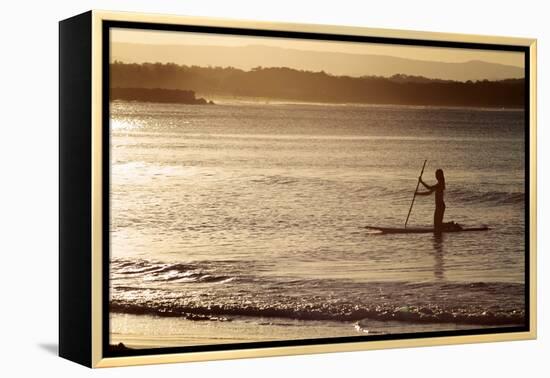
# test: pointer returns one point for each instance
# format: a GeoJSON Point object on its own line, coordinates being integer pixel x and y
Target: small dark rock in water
{"type": "Point", "coordinates": [118, 347]}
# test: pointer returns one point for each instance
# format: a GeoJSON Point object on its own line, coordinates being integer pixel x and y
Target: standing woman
{"type": "Point", "coordinates": [438, 188]}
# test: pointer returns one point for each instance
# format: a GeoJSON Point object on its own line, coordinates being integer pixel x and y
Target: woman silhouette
{"type": "Point", "coordinates": [438, 188]}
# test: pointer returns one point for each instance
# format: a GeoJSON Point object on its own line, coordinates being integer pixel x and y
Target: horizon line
{"type": "Point", "coordinates": [434, 79]}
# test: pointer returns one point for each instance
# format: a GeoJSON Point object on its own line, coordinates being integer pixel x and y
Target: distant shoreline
{"type": "Point", "coordinates": [222, 100]}
{"type": "Point", "coordinates": [236, 100]}
{"type": "Point", "coordinates": [283, 83]}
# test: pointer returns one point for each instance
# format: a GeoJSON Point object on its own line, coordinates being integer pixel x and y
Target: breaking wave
{"type": "Point", "coordinates": [220, 290]}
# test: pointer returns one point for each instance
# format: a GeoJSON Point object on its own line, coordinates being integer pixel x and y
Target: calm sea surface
{"type": "Point", "coordinates": [257, 211]}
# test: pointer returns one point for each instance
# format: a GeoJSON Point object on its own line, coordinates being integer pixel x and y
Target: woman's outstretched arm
{"type": "Point", "coordinates": [431, 188]}
{"type": "Point", "coordinates": [418, 193]}
{"type": "Point", "coordinates": [423, 183]}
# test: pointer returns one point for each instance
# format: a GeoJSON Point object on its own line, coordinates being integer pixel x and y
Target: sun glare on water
{"type": "Point", "coordinates": [123, 125]}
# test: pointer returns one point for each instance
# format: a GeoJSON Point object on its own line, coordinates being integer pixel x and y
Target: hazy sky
{"type": "Point", "coordinates": [419, 53]}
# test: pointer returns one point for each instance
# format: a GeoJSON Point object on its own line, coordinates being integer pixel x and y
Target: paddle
{"type": "Point", "coordinates": [414, 196]}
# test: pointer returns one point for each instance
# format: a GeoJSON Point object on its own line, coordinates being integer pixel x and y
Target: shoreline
{"type": "Point", "coordinates": [147, 331]}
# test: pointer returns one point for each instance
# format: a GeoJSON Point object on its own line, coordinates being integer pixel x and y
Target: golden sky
{"type": "Point", "coordinates": [418, 53]}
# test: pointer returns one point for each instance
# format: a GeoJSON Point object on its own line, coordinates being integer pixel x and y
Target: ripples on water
{"type": "Point", "coordinates": [258, 210]}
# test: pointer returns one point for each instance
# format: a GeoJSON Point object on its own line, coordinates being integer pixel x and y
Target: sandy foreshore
{"type": "Point", "coordinates": [144, 331]}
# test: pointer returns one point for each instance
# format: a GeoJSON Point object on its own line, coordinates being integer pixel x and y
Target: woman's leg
{"type": "Point", "coordinates": [438, 218]}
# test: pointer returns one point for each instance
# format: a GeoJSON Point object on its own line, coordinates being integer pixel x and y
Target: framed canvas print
{"type": "Point", "coordinates": [234, 189]}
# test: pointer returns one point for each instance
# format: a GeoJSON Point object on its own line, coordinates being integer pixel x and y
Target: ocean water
{"type": "Point", "coordinates": [251, 217]}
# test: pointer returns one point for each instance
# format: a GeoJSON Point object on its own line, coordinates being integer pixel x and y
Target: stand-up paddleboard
{"type": "Point", "coordinates": [423, 230]}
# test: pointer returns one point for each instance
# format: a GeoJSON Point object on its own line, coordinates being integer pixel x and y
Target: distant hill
{"type": "Point", "coordinates": [248, 57]}
{"type": "Point", "coordinates": [289, 84]}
